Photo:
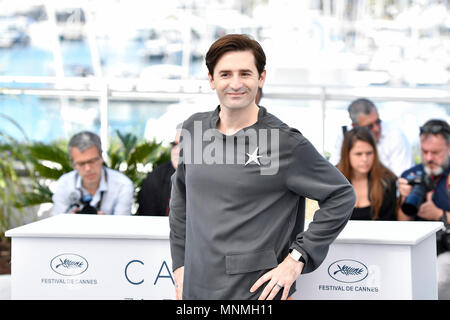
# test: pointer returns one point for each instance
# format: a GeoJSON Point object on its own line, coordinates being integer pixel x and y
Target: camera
{"type": "Point", "coordinates": [86, 207]}
{"type": "Point", "coordinates": [422, 184]}
{"type": "Point", "coordinates": [82, 202]}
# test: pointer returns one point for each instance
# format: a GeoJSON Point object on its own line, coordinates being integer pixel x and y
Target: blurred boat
{"type": "Point", "coordinates": [13, 32]}
{"type": "Point", "coordinates": [70, 23]}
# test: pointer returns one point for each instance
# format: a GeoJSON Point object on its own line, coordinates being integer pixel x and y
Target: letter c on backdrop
{"type": "Point", "coordinates": [126, 272]}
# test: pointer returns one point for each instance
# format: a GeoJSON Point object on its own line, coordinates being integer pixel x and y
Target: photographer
{"type": "Point", "coordinates": [424, 192]}
{"type": "Point", "coordinates": [91, 188]}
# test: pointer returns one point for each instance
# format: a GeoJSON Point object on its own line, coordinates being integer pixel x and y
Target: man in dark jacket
{"type": "Point", "coordinates": [154, 196]}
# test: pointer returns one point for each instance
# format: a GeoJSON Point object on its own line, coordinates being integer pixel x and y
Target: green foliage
{"type": "Point", "coordinates": [54, 154]}
{"type": "Point", "coordinates": [130, 156]}
{"type": "Point", "coordinates": [47, 162]}
{"type": "Point", "coordinates": [12, 155]}
{"type": "Point", "coordinates": [9, 183]}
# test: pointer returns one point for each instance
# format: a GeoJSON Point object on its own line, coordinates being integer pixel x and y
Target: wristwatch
{"type": "Point", "coordinates": [297, 256]}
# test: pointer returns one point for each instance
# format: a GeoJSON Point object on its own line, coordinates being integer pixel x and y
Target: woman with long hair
{"type": "Point", "coordinates": [374, 184]}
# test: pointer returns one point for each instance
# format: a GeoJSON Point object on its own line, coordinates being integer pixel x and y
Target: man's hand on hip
{"type": "Point", "coordinates": [281, 277]}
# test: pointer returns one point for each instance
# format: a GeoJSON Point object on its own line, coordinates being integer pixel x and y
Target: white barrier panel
{"type": "Point", "coordinates": [92, 257]}
{"type": "Point", "coordinates": [377, 260]}
{"type": "Point", "coordinates": [128, 257]}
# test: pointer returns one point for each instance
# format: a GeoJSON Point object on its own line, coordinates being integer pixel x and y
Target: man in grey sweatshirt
{"type": "Point", "coordinates": [237, 206]}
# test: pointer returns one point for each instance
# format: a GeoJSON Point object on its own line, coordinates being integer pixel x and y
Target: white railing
{"type": "Point", "coordinates": [172, 91]}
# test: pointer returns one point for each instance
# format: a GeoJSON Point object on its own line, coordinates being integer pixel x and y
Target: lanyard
{"type": "Point", "coordinates": [99, 203]}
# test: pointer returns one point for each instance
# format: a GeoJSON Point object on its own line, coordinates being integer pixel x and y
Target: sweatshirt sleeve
{"type": "Point", "coordinates": [311, 175]}
{"type": "Point", "coordinates": [177, 217]}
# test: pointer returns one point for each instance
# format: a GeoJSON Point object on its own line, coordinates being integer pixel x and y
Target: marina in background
{"type": "Point", "coordinates": [320, 55]}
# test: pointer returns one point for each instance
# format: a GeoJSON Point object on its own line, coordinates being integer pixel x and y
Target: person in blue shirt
{"type": "Point", "coordinates": [434, 144]}
{"type": "Point", "coordinates": [429, 199]}
{"type": "Point", "coordinates": [106, 190]}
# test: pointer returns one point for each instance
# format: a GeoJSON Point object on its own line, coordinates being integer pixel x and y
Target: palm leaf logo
{"type": "Point", "coordinates": [348, 271]}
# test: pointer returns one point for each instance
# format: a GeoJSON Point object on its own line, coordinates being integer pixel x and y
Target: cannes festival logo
{"type": "Point", "coordinates": [348, 271]}
{"type": "Point", "coordinates": [69, 264]}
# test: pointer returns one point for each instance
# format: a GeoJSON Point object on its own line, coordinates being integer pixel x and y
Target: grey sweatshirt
{"type": "Point", "coordinates": [238, 205]}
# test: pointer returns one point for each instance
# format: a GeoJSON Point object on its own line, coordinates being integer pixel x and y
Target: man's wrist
{"type": "Point", "coordinates": [296, 255]}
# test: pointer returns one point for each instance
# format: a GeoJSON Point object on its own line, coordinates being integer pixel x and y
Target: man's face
{"type": "Point", "coordinates": [236, 79]}
{"type": "Point", "coordinates": [371, 121]}
{"type": "Point", "coordinates": [88, 165]}
{"type": "Point", "coordinates": [435, 152]}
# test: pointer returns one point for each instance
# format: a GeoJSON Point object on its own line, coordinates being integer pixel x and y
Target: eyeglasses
{"type": "Point", "coordinates": [373, 124]}
{"type": "Point", "coordinates": [82, 164]}
{"type": "Point", "coordinates": [435, 129]}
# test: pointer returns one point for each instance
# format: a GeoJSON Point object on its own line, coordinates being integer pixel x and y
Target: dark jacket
{"type": "Point", "coordinates": [153, 198]}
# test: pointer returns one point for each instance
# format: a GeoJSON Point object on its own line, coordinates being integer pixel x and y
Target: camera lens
{"type": "Point", "coordinates": [414, 200]}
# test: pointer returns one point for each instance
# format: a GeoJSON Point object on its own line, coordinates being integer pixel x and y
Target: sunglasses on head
{"type": "Point", "coordinates": [435, 129]}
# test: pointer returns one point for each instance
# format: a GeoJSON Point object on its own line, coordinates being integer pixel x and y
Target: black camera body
{"type": "Point", "coordinates": [422, 183]}
{"type": "Point", "coordinates": [81, 202]}
{"type": "Point", "coordinates": [86, 207]}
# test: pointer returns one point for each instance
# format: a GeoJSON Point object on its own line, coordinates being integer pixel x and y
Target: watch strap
{"type": "Point", "coordinates": [297, 256]}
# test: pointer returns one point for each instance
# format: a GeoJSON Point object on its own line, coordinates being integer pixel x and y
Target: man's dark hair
{"type": "Point", "coordinates": [360, 106]}
{"type": "Point", "coordinates": [436, 126]}
{"type": "Point", "coordinates": [235, 42]}
{"type": "Point", "coordinates": [259, 95]}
